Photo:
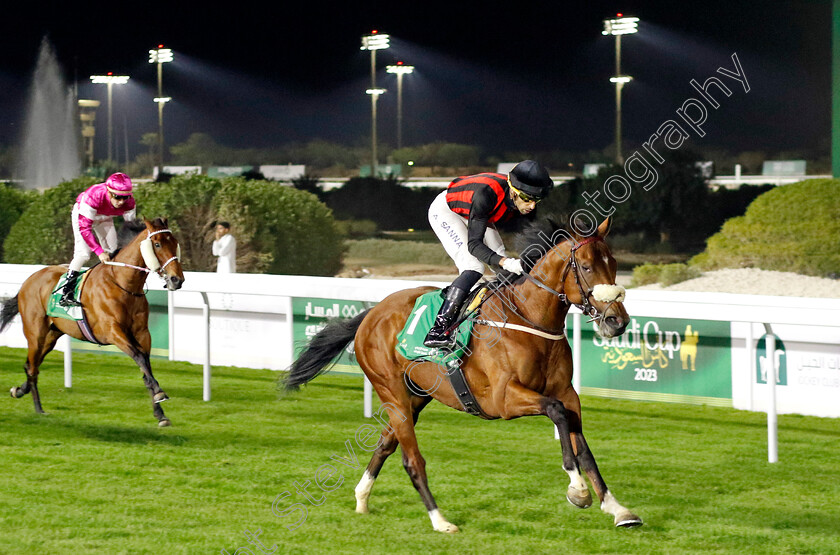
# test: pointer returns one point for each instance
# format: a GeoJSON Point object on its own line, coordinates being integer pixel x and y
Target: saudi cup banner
{"type": "Point", "coordinates": [660, 359]}
{"type": "Point", "coordinates": [310, 315]}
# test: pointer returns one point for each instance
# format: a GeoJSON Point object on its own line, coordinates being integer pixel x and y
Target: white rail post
{"type": "Point", "coordinates": [68, 361]}
{"type": "Point", "coordinates": [206, 313]}
{"type": "Point", "coordinates": [170, 314]}
{"type": "Point", "coordinates": [772, 420]}
{"type": "Point", "coordinates": [368, 398]}
{"type": "Point", "coordinates": [576, 341]}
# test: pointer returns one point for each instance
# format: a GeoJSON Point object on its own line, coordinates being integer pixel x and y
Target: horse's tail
{"type": "Point", "coordinates": [322, 349]}
{"type": "Point", "coordinates": [9, 311]}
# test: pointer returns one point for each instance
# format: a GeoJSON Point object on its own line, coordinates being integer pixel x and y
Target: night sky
{"type": "Point", "coordinates": [521, 76]}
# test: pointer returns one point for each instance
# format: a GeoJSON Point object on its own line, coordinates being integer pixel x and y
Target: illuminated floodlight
{"type": "Point", "coordinates": [160, 55]}
{"type": "Point", "coordinates": [621, 79]}
{"type": "Point", "coordinates": [399, 69]}
{"type": "Point", "coordinates": [163, 99]}
{"type": "Point", "coordinates": [109, 79]}
{"type": "Point", "coordinates": [376, 92]}
{"type": "Point", "coordinates": [621, 26]}
{"type": "Point", "coordinates": [375, 41]}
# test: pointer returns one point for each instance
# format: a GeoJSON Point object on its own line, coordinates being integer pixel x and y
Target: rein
{"type": "Point", "coordinates": [158, 271]}
{"type": "Point", "coordinates": [587, 308]}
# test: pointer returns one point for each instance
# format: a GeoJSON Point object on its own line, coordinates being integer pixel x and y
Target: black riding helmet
{"type": "Point", "coordinates": [531, 178]}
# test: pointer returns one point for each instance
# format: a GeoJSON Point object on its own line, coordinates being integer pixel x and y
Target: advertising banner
{"type": "Point", "coordinates": [310, 315]}
{"type": "Point", "coordinates": [660, 359]}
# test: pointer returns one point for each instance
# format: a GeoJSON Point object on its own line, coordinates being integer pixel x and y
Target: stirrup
{"type": "Point", "coordinates": [68, 301]}
{"type": "Point", "coordinates": [439, 340]}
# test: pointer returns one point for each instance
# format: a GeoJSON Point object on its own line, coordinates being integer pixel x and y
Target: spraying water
{"type": "Point", "coordinates": [50, 149]}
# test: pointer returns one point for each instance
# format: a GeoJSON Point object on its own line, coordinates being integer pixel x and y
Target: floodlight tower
{"type": "Point", "coordinates": [110, 79]}
{"type": "Point", "coordinates": [617, 27]}
{"type": "Point", "coordinates": [160, 56]}
{"type": "Point", "coordinates": [400, 69]}
{"type": "Point", "coordinates": [373, 42]}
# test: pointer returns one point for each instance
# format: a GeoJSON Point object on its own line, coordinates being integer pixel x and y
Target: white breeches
{"type": "Point", "coordinates": [105, 232]}
{"type": "Point", "coordinates": [451, 229]}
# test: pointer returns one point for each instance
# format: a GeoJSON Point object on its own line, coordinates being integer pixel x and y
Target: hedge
{"type": "Point", "coordinates": [794, 228]}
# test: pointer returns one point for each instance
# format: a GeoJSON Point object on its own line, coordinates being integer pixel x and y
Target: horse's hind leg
{"type": "Point", "coordinates": [385, 448]}
{"type": "Point", "coordinates": [41, 342]}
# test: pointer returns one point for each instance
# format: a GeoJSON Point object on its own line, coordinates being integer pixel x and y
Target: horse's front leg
{"type": "Point", "coordinates": [520, 401]}
{"type": "Point", "coordinates": [623, 516]}
{"type": "Point", "coordinates": [138, 349]}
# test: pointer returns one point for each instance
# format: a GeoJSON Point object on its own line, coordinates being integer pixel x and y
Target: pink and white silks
{"type": "Point", "coordinates": [93, 222]}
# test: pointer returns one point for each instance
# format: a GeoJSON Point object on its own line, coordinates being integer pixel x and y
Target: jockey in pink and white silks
{"type": "Point", "coordinates": [93, 225]}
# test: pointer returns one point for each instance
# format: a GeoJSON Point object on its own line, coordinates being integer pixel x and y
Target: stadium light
{"type": "Point", "coordinates": [399, 69]}
{"type": "Point", "coordinates": [373, 42]}
{"type": "Point", "coordinates": [160, 56]}
{"type": "Point", "coordinates": [110, 80]}
{"type": "Point", "coordinates": [617, 27]}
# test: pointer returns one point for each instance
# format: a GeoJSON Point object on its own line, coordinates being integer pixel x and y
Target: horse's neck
{"type": "Point", "coordinates": [130, 278]}
{"type": "Point", "coordinates": [538, 305]}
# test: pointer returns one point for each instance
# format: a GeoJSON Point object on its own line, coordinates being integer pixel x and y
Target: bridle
{"type": "Point", "coordinates": [149, 257]}
{"type": "Point", "coordinates": [586, 307]}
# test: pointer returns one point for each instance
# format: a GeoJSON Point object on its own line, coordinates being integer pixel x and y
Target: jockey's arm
{"type": "Point", "coordinates": [477, 226]}
{"type": "Point", "coordinates": [86, 229]}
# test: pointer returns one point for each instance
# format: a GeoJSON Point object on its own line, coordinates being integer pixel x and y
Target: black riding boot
{"type": "Point", "coordinates": [69, 289]}
{"type": "Point", "coordinates": [438, 336]}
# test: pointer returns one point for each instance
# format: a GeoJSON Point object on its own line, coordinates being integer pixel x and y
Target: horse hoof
{"type": "Point", "coordinates": [161, 397]}
{"type": "Point", "coordinates": [581, 499]}
{"type": "Point", "coordinates": [164, 422]}
{"type": "Point", "coordinates": [447, 528]}
{"type": "Point", "coordinates": [627, 520]}
{"type": "Point", "coordinates": [16, 392]}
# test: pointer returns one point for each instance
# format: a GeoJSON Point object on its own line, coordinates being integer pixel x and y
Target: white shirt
{"type": "Point", "coordinates": [225, 249]}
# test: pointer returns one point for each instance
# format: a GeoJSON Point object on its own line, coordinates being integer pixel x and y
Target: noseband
{"type": "Point", "coordinates": [147, 250]}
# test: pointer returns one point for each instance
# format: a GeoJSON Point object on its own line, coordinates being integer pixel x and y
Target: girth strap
{"type": "Point", "coordinates": [462, 391]}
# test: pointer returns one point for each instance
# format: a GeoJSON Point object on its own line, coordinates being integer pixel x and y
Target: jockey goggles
{"type": "Point", "coordinates": [119, 197]}
{"type": "Point", "coordinates": [524, 196]}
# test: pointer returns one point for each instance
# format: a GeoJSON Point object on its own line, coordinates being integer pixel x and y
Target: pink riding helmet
{"type": "Point", "coordinates": [119, 184]}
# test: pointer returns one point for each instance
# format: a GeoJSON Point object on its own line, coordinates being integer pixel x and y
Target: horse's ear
{"type": "Point", "coordinates": [166, 222]}
{"type": "Point", "coordinates": [605, 226]}
{"type": "Point", "coordinates": [147, 221]}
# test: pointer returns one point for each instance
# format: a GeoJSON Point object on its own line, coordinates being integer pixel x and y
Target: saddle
{"type": "Point", "coordinates": [410, 346]}
{"type": "Point", "coordinates": [76, 313]}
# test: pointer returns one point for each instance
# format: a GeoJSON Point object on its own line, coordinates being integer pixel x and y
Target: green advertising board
{"type": "Point", "coordinates": [660, 359]}
{"type": "Point", "coordinates": [158, 327]}
{"type": "Point", "coordinates": [310, 315]}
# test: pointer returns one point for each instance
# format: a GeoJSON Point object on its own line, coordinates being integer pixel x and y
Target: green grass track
{"type": "Point", "coordinates": [96, 474]}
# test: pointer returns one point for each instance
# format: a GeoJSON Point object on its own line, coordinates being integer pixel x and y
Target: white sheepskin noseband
{"type": "Point", "coordinates": [608, 293]}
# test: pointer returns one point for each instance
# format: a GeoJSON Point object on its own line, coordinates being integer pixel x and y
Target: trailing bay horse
{"type": "Point", "coordinates": [521, 366]}
{"type": "Point", "coordinates": [114, 303]}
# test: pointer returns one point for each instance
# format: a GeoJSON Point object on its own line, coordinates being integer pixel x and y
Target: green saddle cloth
{"type": "Point", "coordinates": [420, 321]}
{"type": "Point", "coordinates": [55, 309]}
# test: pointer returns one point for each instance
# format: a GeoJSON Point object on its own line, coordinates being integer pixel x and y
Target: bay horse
{"type": "Point", "coordinates": [114, 303]}
{"type": "Point", "coordinates": [511, 372]}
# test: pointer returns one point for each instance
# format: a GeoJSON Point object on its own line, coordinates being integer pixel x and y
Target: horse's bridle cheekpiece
{"type": "Point", "coordinates": [147, 250]}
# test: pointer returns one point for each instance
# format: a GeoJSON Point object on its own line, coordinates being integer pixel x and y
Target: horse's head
{"type": "Point", "coordinates": [161, 253]}
{"type": "Point", "coordinates": [590, 282]}
{"type": "Point", "coordinates": [582, 271]}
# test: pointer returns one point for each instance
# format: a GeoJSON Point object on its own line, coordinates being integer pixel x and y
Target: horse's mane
{"type": "Point", "coordinates": [538, 232]}
{"type": "Point", "coordinates": [130, 230]}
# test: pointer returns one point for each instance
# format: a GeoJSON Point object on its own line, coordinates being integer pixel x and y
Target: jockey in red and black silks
{"type": "Point", "coordinates": [464, 218]}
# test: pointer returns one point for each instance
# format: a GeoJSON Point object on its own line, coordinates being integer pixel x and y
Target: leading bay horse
{"type": "Point", "coordinates": [512, 372]}
{"type": "Point", "coordinates": [114, 303]}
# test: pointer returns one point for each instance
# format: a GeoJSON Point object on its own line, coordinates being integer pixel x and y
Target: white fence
{"type": "Point", "coordinates": [250, 321]}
